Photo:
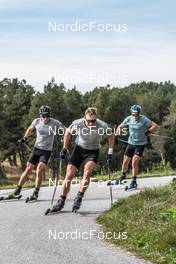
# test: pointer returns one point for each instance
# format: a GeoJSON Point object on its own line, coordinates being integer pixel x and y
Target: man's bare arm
{"type": "Point", "coordinates": [28, 132]}
{"type": "Point", "coordinates": [67, 137]}
{"type": "Point", "coordinates": [152, 127]}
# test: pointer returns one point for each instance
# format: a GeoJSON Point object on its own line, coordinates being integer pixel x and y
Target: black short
{"type": "Point", "coordinates": [80, 155]}
{"type": "Point", "coordinates": [134, 150]}
{"type": "Point", "coordinates": [39, 155]}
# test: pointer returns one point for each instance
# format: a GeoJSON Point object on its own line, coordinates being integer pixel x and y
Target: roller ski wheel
{"type": "Point", "coordinates": [77, 203]}
{"type": "Point", "coordinates": [56, 208]}
{"type": "Point", "coordinates": [27, 200]}
{"type": "Point", "coordinates": [126, 188]}
{"type": "Point", "coordinates": [32, 198]}
{"type": "Point", "coordinates": [11, 197]}
{"type": "Point", "coordinates": [48, 211]}
{"type": "Point", "coordinates": [131, 187]}
{"type": "Point", "coordinates": [75, 210]}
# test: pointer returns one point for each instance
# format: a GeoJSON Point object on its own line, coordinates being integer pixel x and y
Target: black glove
{"type": "Point", "coordinates": [22, 140]}
{"type": "Point", "coordinates": [147, 132]}
{"type": "Point", "coordinates": [109, 158]}
{"type": "Point", "coordinates": [63, 153]}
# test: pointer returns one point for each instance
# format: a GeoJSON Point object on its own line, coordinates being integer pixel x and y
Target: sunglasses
{"type": "Point", "coordinates": [92, 121]}
{"type": "Point", "coordinates": [135, 114]}
{"type": "Point", "coordinates": [44, 116]}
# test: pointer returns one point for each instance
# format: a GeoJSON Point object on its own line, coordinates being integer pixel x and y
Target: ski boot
{"type": "Point", "coordinates": [33, 197]}
{"type": "Point", "coordinates": [119, 181]}
{"type": "Point", "coordinates": [133, 185]}
{"type": "Point", "coordinates": [56, 208]}
{"type": "Point", "coordinates": [13, 196]}
{"type": "Point", "coordinates": [77, 202]}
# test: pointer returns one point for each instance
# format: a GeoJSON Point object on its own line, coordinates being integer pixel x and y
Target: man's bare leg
{"type": "Point", "coordinates": [24, 177]}
{"type": "Point", "coordinates": [135, 165]}
{"type": "Point", "coordinates": [71, 170]}
{"type": "Point", "coordinates": [135, 169]}
{"type": "Point", "coordinates": [38, 181]}
{"type": "Point", "coordinates": [125, 164]}
{"type": "Point", "coordinates": [89, 167]}
{"type": "Point", "coordinates": [39, 174]}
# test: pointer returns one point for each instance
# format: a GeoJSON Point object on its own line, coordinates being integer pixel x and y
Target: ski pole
{"type": "Point", "coordinates": [157, 135]}
{"type": "Point", "coordinates": [121, 140]}
{"type": "Point", "coordinates": [154, 135]}
{"type": "Point", "coordinates": [162, 158]}
{"type": "Point", "coordinates": [24, 145]}
{"type": "Point", "coordinates": [57, 179]}
{"type": "Point", "coordinates": [110, 187]}
{"type": "Point", "coordinates": [28, 148]}
{"type": "Point", "coordinates": [68, 152]}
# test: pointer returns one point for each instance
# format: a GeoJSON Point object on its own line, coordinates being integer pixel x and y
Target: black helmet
{"type": "Point", "coordinates": [45, 111]}
{"type": "Point", "coordinates": [135, 109]}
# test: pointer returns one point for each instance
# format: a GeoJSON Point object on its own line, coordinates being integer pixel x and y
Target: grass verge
{"type": "Point", "coordinates": [149, 218]}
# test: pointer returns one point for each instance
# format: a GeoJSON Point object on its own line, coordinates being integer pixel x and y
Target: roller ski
{"type": "Point", "coordinates": [56, 208]}
{"type": "Point", "coordinates": [133, 185]}
{"type": "Point", "coordinates": [77, 203]}
{"type": "Point", "coordinates": [120, 181]}
{"type": "Point", "coordinates": [33, 197]}
{"type": "Point", "coordinates": [11, 196]}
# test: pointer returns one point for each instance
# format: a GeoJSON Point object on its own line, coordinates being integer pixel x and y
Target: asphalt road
{"type": "Point", "coordinates": [29, 237]}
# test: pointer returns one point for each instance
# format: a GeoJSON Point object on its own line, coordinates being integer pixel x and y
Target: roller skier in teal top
{"type": "Point", "coordinates": [139, 127]}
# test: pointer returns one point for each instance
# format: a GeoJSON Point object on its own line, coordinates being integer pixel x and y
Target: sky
{"type": "Point", "coordinates": [139, 46]}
